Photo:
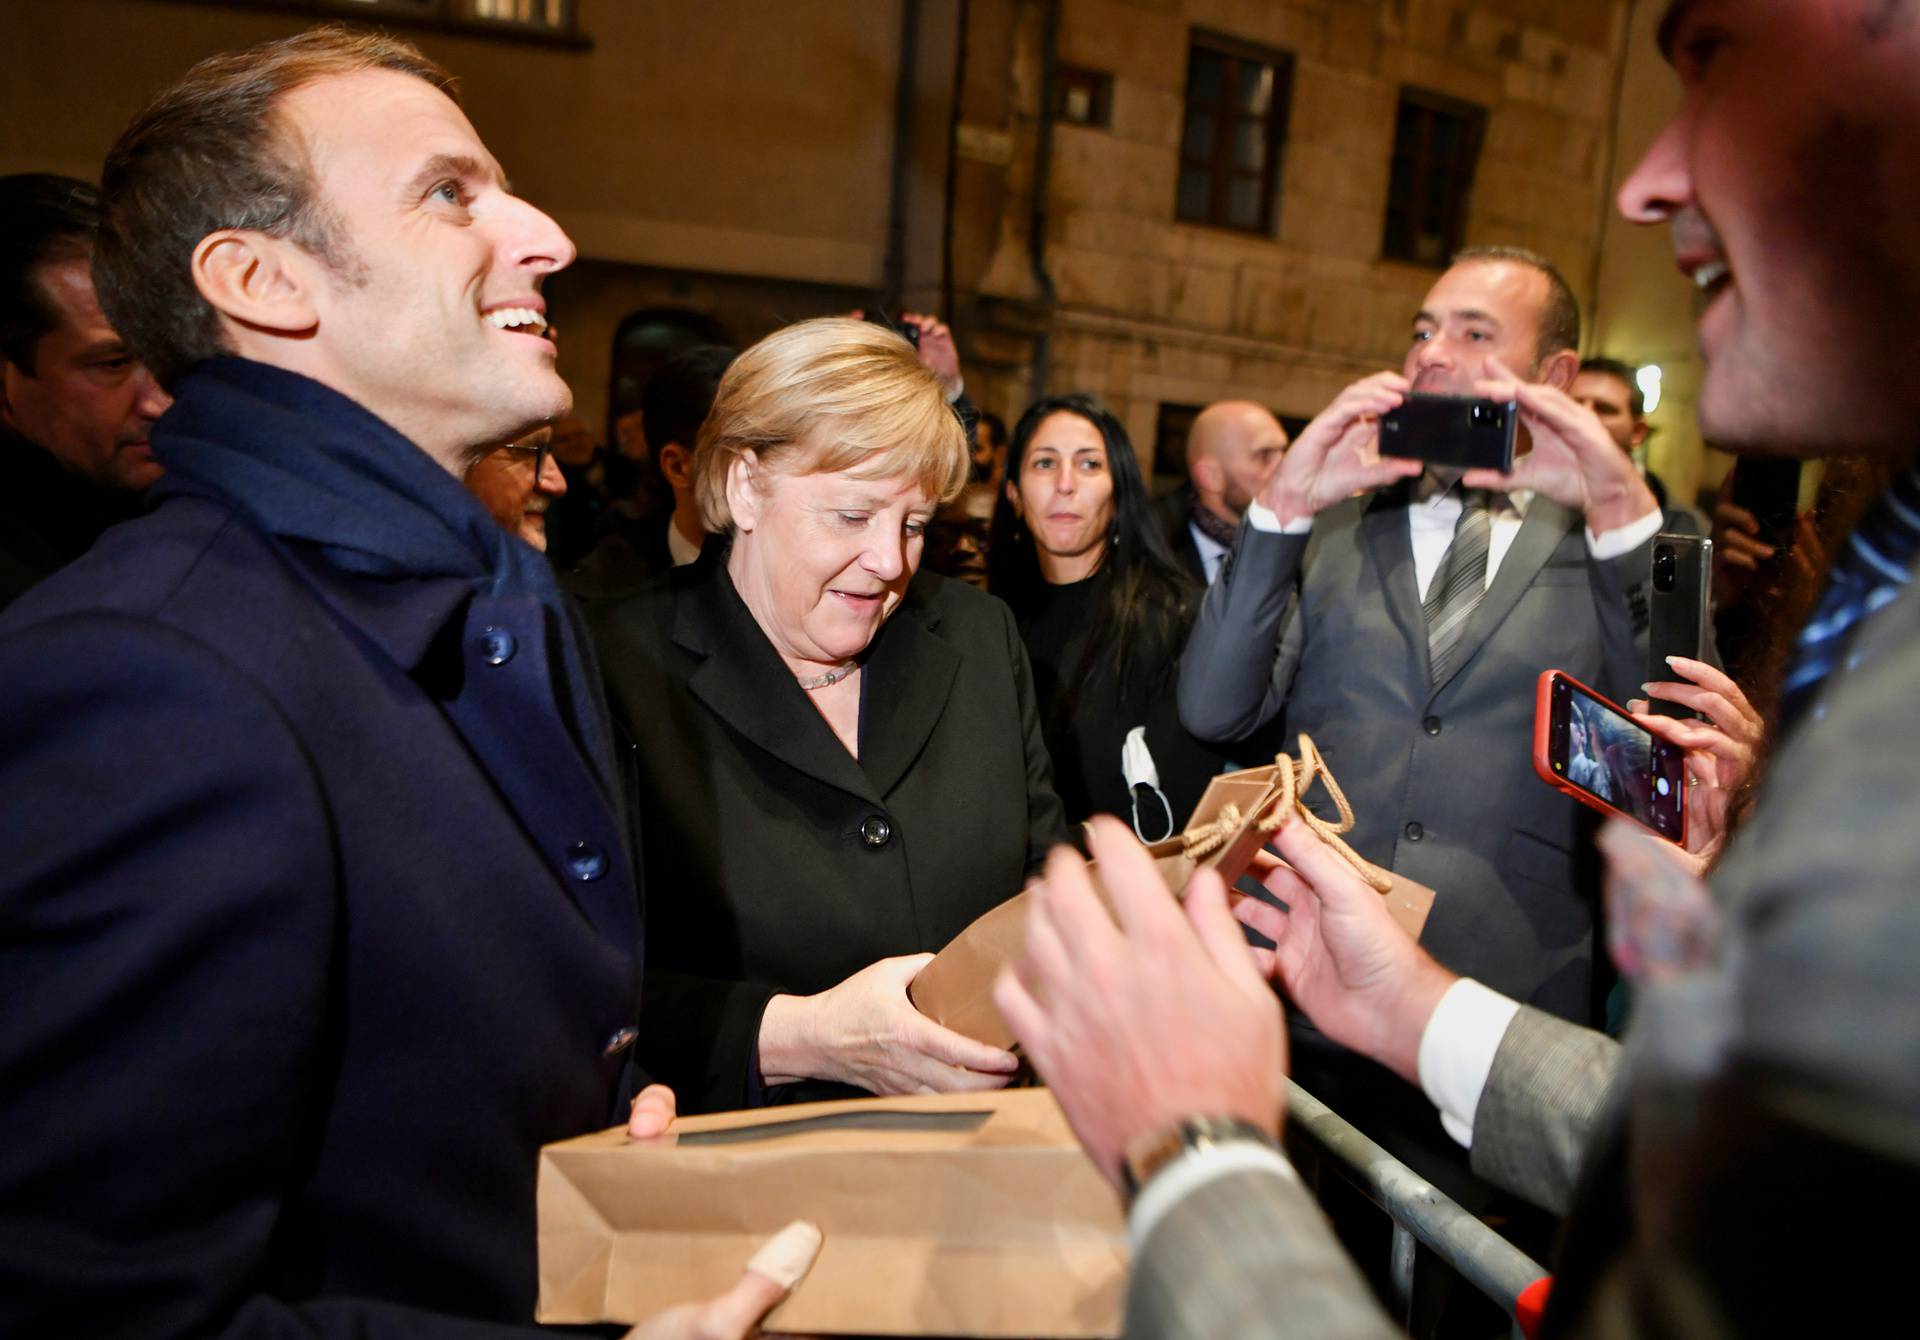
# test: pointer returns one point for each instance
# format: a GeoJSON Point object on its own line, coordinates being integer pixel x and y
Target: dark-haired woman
{"type": "Point", "coordinates": [1104, 609]}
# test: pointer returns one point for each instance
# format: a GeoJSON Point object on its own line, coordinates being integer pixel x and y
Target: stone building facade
{"type": "Point", "coordinates": [1148, 311]}
{"type": "Point", "coordinates": [745, 163]}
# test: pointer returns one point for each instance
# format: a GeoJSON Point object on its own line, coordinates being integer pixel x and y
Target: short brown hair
{"type": "Point", "coordinates": [211, 153]}
{"type": "Point", "coordinates": [1560, 318]}
{"type": "Point", "coordinates": [830, 394]}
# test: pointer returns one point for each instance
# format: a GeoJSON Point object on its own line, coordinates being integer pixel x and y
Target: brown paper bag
{"type": "Point", "coordinates": [1227, 827]}
{"type": "Point", "coordinates": [955, 1214]}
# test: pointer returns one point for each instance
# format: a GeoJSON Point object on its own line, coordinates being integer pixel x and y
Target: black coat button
{"type": "Point", "coordinates": [1431, 725]}
{"type": "Point", "coordinates": [586, 861]}
{"type": "Point", "coordinates": [496, 646]}
{"type": "Point", "coordinates": [1415, 832]}
{"type": "Point", "coordinates": [619, 1040]}
{"type": "Point", "coordinates": [876, 830]}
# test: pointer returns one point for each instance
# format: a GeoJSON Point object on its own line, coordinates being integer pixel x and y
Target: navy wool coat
{"type": "Point", "coordinates": [313, 928]}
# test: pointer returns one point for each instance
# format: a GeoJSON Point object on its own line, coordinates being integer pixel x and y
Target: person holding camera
{"type": "Point", "coordinates": [1401, 615]}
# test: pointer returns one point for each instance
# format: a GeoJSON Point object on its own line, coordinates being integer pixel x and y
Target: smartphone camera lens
{"type": "Point", "coordinates": [1665, 568]}
{"type": "Point", "coordinates": [1486, 414]}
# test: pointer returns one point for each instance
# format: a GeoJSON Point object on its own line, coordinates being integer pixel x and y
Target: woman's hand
{"type": "Point", "coordinates": [1722, 752]}
{"type": "Point", "coordinates": [866, 1032]}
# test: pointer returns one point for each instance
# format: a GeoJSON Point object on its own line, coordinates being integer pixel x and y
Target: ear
{"type": "Point", "coordinates": [1640, 430]}
{"type": "Point", "coordinates": [675, 461]}
{"type": "Point", "coordinates": [261, 283]}
{"type": "Point", "coordinates": [1559, 370]}
{"type": "Point", "coordinates": [1208, 477]}
{"type": "Point", "coordinates": [744, 497]}
{"type": "Point", "coordinates": [7, 374]}
{"type": "Point", "coordinates": [1013, 499]}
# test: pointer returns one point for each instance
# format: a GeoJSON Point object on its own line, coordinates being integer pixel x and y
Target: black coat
{"type": "Point", "coordinates": [774, 861]}
{"type": "Point", "coordinates": [300, 964]}
{"type": "Point", "coordinates": [336, 986]}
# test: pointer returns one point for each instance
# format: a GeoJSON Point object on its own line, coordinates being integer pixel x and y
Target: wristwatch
{"type": "Point", "coordinates": [1155, 1150]}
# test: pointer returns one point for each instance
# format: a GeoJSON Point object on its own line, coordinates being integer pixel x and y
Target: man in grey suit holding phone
{"type": "Point", "coordinates": [1724, 1169]}
{"type": "Point", "coordinates": [1401, 617]}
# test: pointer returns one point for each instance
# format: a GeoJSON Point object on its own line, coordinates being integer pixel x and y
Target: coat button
{"type": "Point", "coordinates": [1415, 832]}
{"type": "Point", "coordinates": [1431, 725]}
{"type": "Point", "coordinates": [496, 646]}
{"type": "Point", "coordinates": [876, 830]}
{"type": "Point", "coordinates": [619, 1040]}
{"type": "Point", "coordinates": [586, 861]}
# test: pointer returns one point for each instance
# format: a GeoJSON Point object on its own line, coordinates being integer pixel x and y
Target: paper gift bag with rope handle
{"type": "Point", "coordinates": [1238, 814]}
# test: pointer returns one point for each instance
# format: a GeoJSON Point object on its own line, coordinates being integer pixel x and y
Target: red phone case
{"type": "Point", "coordinates": [1543, 746]}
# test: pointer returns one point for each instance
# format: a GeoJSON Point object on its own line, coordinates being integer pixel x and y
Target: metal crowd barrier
{"type": "Point", "coordinates": [1421, 1214]}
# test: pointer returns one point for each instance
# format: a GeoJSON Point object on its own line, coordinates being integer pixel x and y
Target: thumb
{"type": "Point", "coordinates": [905, 968]}
{"type": "Point", "coordinates": [653, 1111]}
{"type": "Point", "coordinates": [770, 1276]}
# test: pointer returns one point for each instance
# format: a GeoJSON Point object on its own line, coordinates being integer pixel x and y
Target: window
{"type": "Point", "coordinates": [1236, 123]}
{"type": "Point", "coordinates": [1083, 97]}
{"type": "Point", "coordinates": [541, 20]}
{"type": "Point", "coordinates": [1436, 146]}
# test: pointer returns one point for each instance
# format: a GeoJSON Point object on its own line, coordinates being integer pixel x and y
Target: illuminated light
{"type": "Point", "coordinates": [1649, 380]}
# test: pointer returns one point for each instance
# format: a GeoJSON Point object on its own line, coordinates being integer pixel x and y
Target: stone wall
{"type": "Point", "coordinates": [1152, 311]}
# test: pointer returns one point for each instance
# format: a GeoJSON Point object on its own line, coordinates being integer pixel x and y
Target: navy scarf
{"type": "Point", "coordinates": [306, 464]}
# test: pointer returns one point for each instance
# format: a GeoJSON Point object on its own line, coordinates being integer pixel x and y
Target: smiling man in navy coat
{"type": "Point", "coordinates": [316, 915]}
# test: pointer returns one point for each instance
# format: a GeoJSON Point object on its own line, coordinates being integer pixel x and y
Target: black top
{"type": "Point", "coordinates": [774, 860]}
{"type": "Point", "coordinates": [48, 515]}
{"type": "Point", "coordinates": [1084, 730]}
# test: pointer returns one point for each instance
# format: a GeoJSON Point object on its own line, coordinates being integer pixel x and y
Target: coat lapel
{"type": "Point", "coordinates": [909, 678]}
{"type": "Point", "coordinates": [1390, 545]}
{"type": "Point", "coordinates": [742, 680]}
{"type": "Point", "coordinates": [1546, 525]}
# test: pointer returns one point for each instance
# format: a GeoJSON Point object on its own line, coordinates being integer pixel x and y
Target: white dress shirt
{"type": "Point", "coordinates": [682, 550]}
{"type": "Point", "coordinates": [1435, 510]}
{"type": "Point", "coordinates": [1211, 551]}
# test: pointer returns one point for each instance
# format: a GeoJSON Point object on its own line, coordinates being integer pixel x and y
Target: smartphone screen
{"type": "Point", "coordinates": [1606, 754]}
{"type": "Point", "coordinates": [1457, 431]}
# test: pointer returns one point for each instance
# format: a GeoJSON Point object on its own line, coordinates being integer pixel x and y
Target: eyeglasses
{"type": "Point", "coordinates": [538, 455]}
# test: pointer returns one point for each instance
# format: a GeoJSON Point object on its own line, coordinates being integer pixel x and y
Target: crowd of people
{"type": "Point", "coordinates": [393, 781]}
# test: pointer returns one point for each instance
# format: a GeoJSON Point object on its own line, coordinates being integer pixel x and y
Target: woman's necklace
{"type": "Point", "coordinates": [833, 676]}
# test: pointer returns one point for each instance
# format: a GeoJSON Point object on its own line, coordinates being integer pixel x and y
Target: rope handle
{"type": "Point", "coordinates": [1295, 780]}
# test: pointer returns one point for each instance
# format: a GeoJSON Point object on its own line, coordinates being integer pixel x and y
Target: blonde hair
{"type": "Point", "coordinates": [830, 394]}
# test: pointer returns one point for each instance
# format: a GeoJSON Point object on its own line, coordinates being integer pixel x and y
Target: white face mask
{"type": "Point", "coordinates": [1136, 765]}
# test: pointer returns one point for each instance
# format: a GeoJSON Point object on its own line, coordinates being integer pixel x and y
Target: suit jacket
{"type": "Point", "coordinates": [1174, 511]}
{"type": "Point", "coordinates": [777, 862]}
{"type": "Point", "coordinates": [48, 515]}
{"type": "Point", "coordinates": [1735, 1164]}
{"type": "Point", "coordinates": [1327, 631]}
{"type": "Point", "coordinates": [316, 927]}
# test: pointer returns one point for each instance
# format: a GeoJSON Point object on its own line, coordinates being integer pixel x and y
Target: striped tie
{"type": "Point", "coordinates": [1459, 584]}
{"type": "Point", "coordinates": [1875, 566]}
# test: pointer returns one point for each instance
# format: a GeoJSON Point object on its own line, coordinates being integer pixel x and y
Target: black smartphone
{"type": "Point", "coordinates": [1453, 430]}
{"type": "Point", "coordinates": [1590, 748]}
{"type": "Point", "coordinates": [1677, 609]}
{"type": "Point", "coordinates": [905, 329]}
{"type": "Point", "coordinates": [1769, 487]}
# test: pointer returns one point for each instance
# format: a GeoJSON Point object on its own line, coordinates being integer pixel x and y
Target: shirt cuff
{"type": "Point", "coordinates": [1625, 539]}
{"type": "Point", "coordinates": [1456, 1051]}
{"type": "Point", "coordinates": [1262, 518]}
{"type": "Point", "coordinates": [1194, 1169]}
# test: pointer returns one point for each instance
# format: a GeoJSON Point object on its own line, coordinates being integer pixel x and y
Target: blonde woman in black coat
{"type": "Point", "coordinates": [838, 759]}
